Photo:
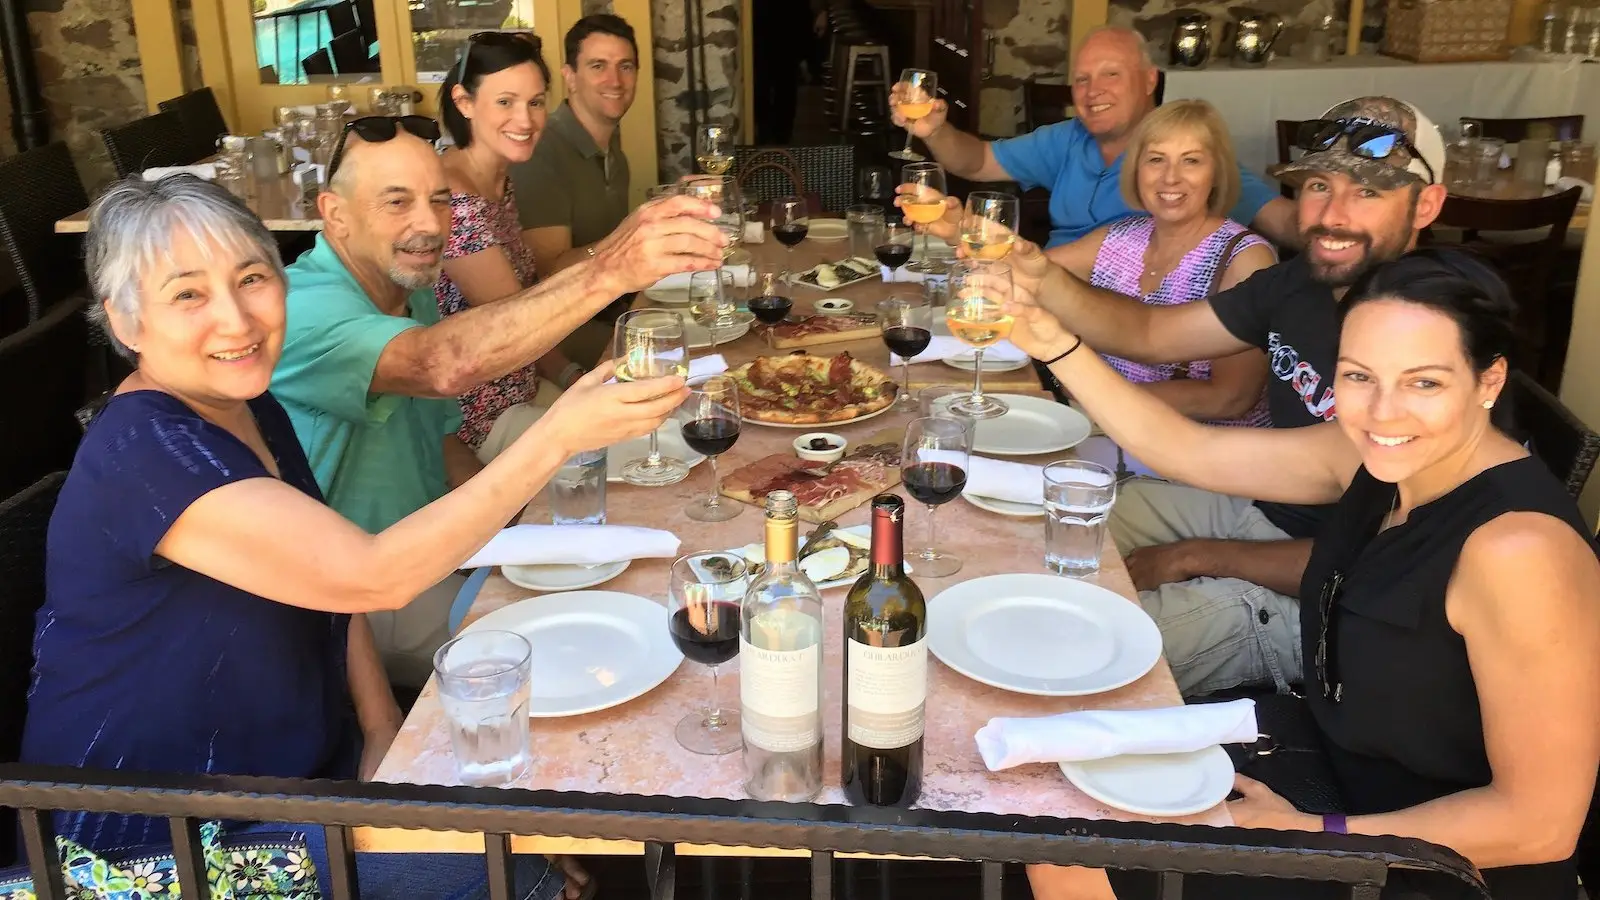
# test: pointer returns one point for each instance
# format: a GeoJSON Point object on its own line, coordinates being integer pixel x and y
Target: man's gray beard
{"type": "Point", "coordinates": [413, 280]}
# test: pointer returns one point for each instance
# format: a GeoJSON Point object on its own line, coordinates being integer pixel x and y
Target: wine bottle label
{"type": "Point", "coordinates": [888, 686]}
{"type": "Point", "coordinates": [778, 700]}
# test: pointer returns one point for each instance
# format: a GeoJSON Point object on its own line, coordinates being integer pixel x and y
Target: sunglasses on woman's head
{"type": "Point", "coordinates": [1364, 139]}
{"type": "Point", "coordinates": [496, 39]}
{"type": "Point", "coordinates": [379, 129]}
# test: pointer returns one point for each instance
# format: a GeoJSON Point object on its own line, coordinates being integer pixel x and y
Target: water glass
{"type": "Point", "coordinates": [1077, 501]}
{"type": "Point", "coordinates": [1533, 157]}
{"type": "Point", "coordinates": [578, 490]}
{"type": "Point", "coordinates": [483, 679]}
{"type": "Point", "coordinates": [864, 222]}
{"type": "Point", "coordinates": [1486, 162]}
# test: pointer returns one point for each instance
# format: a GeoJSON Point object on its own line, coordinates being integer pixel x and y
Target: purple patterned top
{"type": "Point", "coordinates": [475, 226]}
{"type": "Point", "coordinates": [1120, 263]}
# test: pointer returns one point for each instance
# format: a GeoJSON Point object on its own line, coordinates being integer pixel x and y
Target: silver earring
{"type": "Point", "coordinates": [1488, 404]}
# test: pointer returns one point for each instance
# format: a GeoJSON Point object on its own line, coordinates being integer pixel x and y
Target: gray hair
{"type": "Point", "coordinates": [130, 231]}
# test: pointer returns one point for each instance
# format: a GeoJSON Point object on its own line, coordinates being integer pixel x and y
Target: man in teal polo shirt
{"type": "Point", "coordinates": [1080, 160]}
{"type": "Point", "coordinates": [370, 374]}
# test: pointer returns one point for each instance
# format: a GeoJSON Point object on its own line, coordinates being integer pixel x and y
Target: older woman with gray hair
{"type": "Point", "coordinates": [204, 608]}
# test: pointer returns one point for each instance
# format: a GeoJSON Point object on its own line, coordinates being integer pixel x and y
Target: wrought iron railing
{"type": "Point", "coordinates": [660, 823]}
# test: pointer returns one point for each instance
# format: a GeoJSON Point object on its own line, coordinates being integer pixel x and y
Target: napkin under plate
{"type": "Point", "coordinates": [945, 346]}
{"type": "Point", "coordinates": [577, 545]}
{"type": "Point", "coordinates": [1103, 733]}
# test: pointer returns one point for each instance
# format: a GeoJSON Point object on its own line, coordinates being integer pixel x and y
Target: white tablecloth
{"type": "Point", "coordinates": [1251, 100]}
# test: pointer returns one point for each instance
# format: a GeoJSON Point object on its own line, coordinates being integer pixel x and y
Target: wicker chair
{"type": "Point", "coordinates": [148, 142]}
{"type": "Point", "coordinates": [1553, 433]}
{"type": "Point", "coordinates": [43, 368]}
{"type": "Point", "coordinates": [37, 188]}
{"type": "Point", "coordinates": [829, 172]}
{"type": "Point", "coordinates": [201, 120]}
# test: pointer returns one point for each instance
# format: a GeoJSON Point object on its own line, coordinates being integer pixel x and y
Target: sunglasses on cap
{"type": "Point", "coordinates": [378, 129]}
{"type": "Point", "coordinates": [1363, 139]}
{"type": "Point", "coordinates": [496, 39]}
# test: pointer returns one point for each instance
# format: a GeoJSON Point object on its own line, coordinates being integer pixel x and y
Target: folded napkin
{"type": "Point", "coordinates": [208, 171]}
{"type": "Point", "coordinates": [945, 346]}
{"type": "Point", "coordinates": [1103, 733]}
{"type": "Point", "coordinates": [1003, 480]}
{"type": "Point", "coordinates": [578, 545]}
{"type": "Point", "coordinates": [902, 274]}
{"type": "Point", "coordinates": [754, 232]}
{"type": "Point", "coordinates": [742, 277]}
{"type": "Point", "coordinates": [1568, 182]}
{"type": "Point", "coordinates": [699, 369]}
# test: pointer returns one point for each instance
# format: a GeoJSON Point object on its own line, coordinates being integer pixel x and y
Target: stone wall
{"type": "Point", "coordinates": [720, 31]}
{"type": "Point", "coordinates": [1031, 41]}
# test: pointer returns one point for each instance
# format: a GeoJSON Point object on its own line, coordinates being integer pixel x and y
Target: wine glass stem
{"type": "Point", "coordinates": [905, 371]}
{"type": "Point", "coordinates": [931, 551]}
{"type": "Point", "coordinates": [977, 375]}
{"type": "Point", "coordinates": [909, 123]}
{"type": "Point", "coordinates": [714, 711]}
{"type": "Point", "coordinates": [654, 459]}
{"type": "Point", "coordinates": [715, 500]}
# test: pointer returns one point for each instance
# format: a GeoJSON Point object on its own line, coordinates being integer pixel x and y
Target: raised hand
{"type": "Point", "coordinates": [1036, 330]}
{"type": "Point", "coordinates": [947, 227]}
{"type": "Point", "coordinates": [663, 237]}
{"type": "Point", "coordinates": [593, 414]}
{"type": "Point", "coordinates": [924, 126]}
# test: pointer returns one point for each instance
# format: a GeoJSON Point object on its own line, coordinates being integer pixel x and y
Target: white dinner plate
{"type": "Point", "coordinates": [827, 230]}
{"type": "Point", "coordinates": [700, 337]}
{"type": "Point", "coordinates": [668, 296]}
{"type": "Point", "coordinates": [669, 441]}
{"type": "Point", "coordinates": [1160, 784]}
{"type": "Point", "coordinates": [964, 363]}
{"type": "Point", "coordinates": [1033, 425]}
{"type": "Point", "coordinates": [591, 649]}
{"type": "Point", "coordinates": [1042, 634]}
{"type": "Point", "coordinates": [1005, 507]}
{"type": "Point", "coordinates": [823, 426]}
{"type": "Point", "coordinates": [562, 577]}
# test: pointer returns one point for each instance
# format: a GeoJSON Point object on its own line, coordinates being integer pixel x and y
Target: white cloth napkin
{"type": "Point", "coordinates": [754, 233]}
{"type": "Point", "coordinates": [704, 367]}
{"type": "Point", "coordinates": [579, 545]}
{"type": "Point", "coordinates": [902, 274]}
{"type": "Point", "coordinates": [997, 479]}
{"type": "Point", "coordinates": [944, 346]}
{"type": "Point", "coordinates": [208, 171]}
{"type": "Point", "coordinates": [1568, 182]}
{"type": "Point", "coordinates": [742, 277]}
{"type": "Point", "coordinates": [1103, 733]}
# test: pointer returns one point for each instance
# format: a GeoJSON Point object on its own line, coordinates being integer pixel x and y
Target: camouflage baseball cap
{"type": "Point", "coordinates": [1401, 167]}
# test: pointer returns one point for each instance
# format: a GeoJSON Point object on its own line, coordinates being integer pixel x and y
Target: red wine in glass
{"type": "Point", "coordinates": [934, 483]}
{"type": "Point", "coordinates": [771, 310]}
{"type": "Point", "coordinates": [711, 641]}
{"type": "Point", "coordinates": [790, 233]}
{"type": "Point", "coordinates": [711, 437]}
{"type": "Point", "coordinates": [907, 340]}
{"type": "Point", "coordinates": [893, 255]}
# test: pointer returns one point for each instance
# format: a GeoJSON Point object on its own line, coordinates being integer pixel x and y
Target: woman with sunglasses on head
{"type": "Point", "coordinates": [493, 106]}
{"type": "Point", "coordinates": [1451, 607]}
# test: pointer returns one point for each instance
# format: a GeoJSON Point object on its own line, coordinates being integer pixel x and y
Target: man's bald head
{"type": "Point", "coordinates": [388, 209]}
{"type": "Point", "coordinates": [1113, 82]}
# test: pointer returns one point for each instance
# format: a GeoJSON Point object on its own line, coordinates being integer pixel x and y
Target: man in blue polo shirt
{"type": "Point", "coordinates": [1080, 160]}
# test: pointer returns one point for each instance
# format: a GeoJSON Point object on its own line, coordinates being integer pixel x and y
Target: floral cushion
{"type": "Point", "coordinates": [251, 867]}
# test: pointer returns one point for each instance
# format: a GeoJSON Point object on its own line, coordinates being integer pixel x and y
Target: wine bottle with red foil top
{"type": "Point", "coordinates": [885, 671]}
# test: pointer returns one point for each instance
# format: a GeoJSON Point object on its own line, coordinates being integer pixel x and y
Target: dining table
{"type": "Point", "coordinates": [631, 748]}
{"type": "Point", "coordinates": [276, 201]}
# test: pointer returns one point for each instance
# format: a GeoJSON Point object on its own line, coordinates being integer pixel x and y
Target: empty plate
{"type": "Point", "coordinates": [1005, 507]}
{"type": "Point", "coordinates": [1042, 634]}
{"type": "Point", "coordinates": [591, 649]}
{"type": "Point", "coordinates": [668, 296]}
{"type": "Point", "coordinates": [964, 363]}
{"type": "Point", "coordinates": [669, 441]}
{"type": "Point", "coordinates": [827, 230]}
{"type": "Point", "coordinates": [1162, 784]}
{"type": "Point", "coordinates": [1033, 425]}
{"type": "Point", "coordinates": [562, 577]}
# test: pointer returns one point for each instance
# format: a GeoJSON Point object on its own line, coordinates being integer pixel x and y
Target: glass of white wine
{"type": "Point", "coordinates": [923, 205]}
{"type": "Point", "coordinates": [650, 343]}
{"type": "Point", "coordinates": [715, 150]}
{"type": "Point", "coordinates": [989, 224]}
{"type": "Point", "coordinates": [723, 191]}
{"type": "Point", "coordinates": [919, 89]}
{"type": "Point", "coordinates": [975, 313]}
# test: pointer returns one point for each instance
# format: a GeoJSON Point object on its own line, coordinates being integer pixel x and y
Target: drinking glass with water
{"type": "Point", "coordinates": [1077, 500]}
{"type": "Point", "coordinates": [578, 490]}
{"type": "Point", "coordinates": [483, 686]}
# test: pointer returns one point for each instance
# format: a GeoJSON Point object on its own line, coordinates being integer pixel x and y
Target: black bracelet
{"type": "Point", "coordinates": [1051, 362]}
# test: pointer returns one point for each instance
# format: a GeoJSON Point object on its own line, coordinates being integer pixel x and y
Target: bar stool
{"type": "Point", "coordinates": [874, 58]}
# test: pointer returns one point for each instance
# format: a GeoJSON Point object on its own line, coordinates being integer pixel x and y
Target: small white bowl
{"type": "Point", "coordinates": [834, 306]}
{"type": "Point", "coordinates": [836, 445]}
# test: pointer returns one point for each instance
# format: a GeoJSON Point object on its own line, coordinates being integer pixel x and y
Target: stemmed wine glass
{"type": "Point", "coordinates": [723, 191]}
{"type": "Point", "coordinates": [650, 343]}
{"type": "Point", "coordinates": [894, 245]}
{"type": "Point", "coordinates": [975, 313]}
{"type": "Point", "coordinates": [923, 204]}
{"type": "Point", "coordinates": [703, 619]}
{"type": "Point", "coordinates": [907, 323]}
{"type": "Point", "coordinates": [710, 426]}
{"type": "Point", "coordinates": [919, 88]}
{"type": "Point", "coordinates": [933, 467]}
{"type": "Point", "coordinates": [715, 154]}
{"type": "Point", "coordinates": [791, 219]}
{"type": "Point", "coordinates": [710, 301]}
{"type": "Point", "coordinates": [989, 224]}
{"type": "Point", "coordinates": [768, 300]}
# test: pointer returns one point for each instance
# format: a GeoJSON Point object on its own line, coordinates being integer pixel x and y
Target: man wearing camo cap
{"type": "Point", "coordinates": [1220, 574]}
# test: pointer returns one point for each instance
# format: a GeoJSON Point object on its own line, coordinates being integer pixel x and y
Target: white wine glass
{"type": "Point", "coordinates": [933, 469]}
{"type": "Point", "coordinates": [723, 192]}
{"type": "Point", "coordinates": [651, 343]}
{"type": "Point", "coordinates": [976, 315]}
{"type": "Point", "coordinates": [989, 224]}
{"type": "Point", "coordinates": [715, 150]}
{"type": "Point", "coordinates": [703, 620]}
{"type": "Point", "coordinates": [923, 204]}
{"type": "Point", "coordinates": [919, 88]}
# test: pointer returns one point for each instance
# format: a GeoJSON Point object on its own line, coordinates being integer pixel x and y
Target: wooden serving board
{"type": "Point", "coordinates": [929, 374]}
{"type": "Point", "coordinates": [739, 484]}
{"type": "Point", "coordinates": [866, 329]}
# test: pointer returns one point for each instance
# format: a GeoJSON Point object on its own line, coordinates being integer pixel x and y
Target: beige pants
{"type": "Point", "coordinates": [407, 637]}
{"type": "Point", "coordinates": [516, 419]}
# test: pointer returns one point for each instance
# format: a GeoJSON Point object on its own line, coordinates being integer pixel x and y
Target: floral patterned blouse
{"type": "Point", "coordinates": [476, 224]}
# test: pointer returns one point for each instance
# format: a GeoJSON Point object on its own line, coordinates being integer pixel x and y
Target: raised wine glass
{"type": "Point", "coordinates": [989, 224]}
{"type": "Point", "coordinates": [907, 323]}
{"type": "Point", "coordinates": [975, 313]}
{"type": "Point", "coordinates": [933, 467]}
{"type": "Point", "coordinates": [920, 89]}
{"type": "Point", "coordinates": [650, 343]}
{"type": "Point", "coordinates": [723, 191]}
{"type": "Point", "coordinates": [923, 205]}
{"type": "Point", "coordinates": [791, 219]}
{"type": "Point", "coordinates": [715, 153]}
{"type": "Point", "coordinates": [894, 245]}
{"type": "Point", "coordinates": [703, 619]}
{"type": "Point", "coordinates": [710, 426]}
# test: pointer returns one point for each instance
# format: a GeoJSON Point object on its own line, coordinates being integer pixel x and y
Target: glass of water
{"type": "Point", "coordinates": [1077, 500]}
{"type": "Point", "coordinates": [578, 490]}
{"type": "Point", "coordinates": [483, 686]}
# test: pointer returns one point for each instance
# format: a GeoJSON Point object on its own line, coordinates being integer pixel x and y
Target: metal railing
{"type": "Point", "coordinates": [660, 823]}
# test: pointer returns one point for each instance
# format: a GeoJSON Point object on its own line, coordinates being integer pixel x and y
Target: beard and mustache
{"type": "Point", "coordinates": [415, 279]}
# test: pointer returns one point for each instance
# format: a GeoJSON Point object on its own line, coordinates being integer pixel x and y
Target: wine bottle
{"type": "Point", "coordinates": [780, 668]}
{"type": "Point", "coordinates": [885, 671]}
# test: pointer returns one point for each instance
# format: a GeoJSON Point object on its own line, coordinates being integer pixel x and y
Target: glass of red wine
{"type": "Point", "coordinates": [907, 323]}
{"type": "Point", "coordinates": [769, 297]}
{"type": "Point", "coordinates": [710, 426]}
{"type": "Point", "coordinates": [790, 221]}
{"type": "Point", "coordinates": [894, 245]}
{"type": "Point", "coordinates": [933, 467]}
{"type": "Point", "coordinates": [703, 619]}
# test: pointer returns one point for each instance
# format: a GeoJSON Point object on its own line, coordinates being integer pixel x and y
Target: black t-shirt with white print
{"type": "Point", "coordinates": [1295, 319]}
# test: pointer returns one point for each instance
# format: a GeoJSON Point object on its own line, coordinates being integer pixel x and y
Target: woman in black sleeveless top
{"type": "Point", "coordinates": [1451, 606]}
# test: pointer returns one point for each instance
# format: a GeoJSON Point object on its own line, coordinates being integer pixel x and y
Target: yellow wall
{"type": "Point", "coordinates": [1580, 385]}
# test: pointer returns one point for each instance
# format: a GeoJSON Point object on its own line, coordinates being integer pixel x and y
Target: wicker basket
{"type": "Point", "coordinates": [1448, 30]}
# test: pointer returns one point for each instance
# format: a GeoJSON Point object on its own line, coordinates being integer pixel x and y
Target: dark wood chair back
{"type": "Point", "coordinates": [342, 17]}
{"type": "Point", "coordinates": [350, 54]}
{"type": "Point", "coordinates": [1557, 437]}
{"type": "Point", "coordinates": [1549, 128]}
{"type": "Point", "coordinates": [201, 119]}
{"type": "Point", "coordinates": [147, 142]}
{"type": "Point", "coordinates": [318, 63]}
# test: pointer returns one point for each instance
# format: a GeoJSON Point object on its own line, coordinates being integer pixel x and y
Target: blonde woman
{"type": "Point", "coordinates": [1181, 171]}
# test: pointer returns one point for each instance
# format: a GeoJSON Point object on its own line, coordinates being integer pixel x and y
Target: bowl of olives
{"type": "Point", "coordinates": [819, 446]}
